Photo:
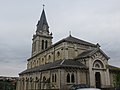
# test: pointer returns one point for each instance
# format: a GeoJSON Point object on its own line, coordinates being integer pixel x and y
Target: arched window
{"type": "Point", "coordinates": [55, 78]}
{"type": "Point", "coordinates": [37, 62]}
{"type": "Point", "coordinates": [68, 78]}
{"type": "Point", "coordinates": [46, 44]}
{"type": "Point", "coordinates": [42, 44]}
{"type": "Point", "coordinates": [42, 60]}
{"type": "Point", "coordinates": [26, 79]}
{"type": "Point", "coordinates": [31, 79]}
{"type": "Point", "coordinates": [58, 54]}
{"type": "Point", "coordinates": [98, 64]}
{"type": "Point", "coordinates": [49, 57]}
{"type": "Point", "coordinates": [44, 79]}
{"type": "Point", "coordinates": [72, 78]}
{"type": "Point", "coordinates": [52, 77]}
{"type": "Point", "coordinates": [36, 79]}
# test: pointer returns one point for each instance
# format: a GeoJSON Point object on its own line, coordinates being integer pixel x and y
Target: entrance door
{"type": "Point", "coordinates": [98, 80]}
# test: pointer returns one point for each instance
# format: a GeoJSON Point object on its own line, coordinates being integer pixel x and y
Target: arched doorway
{"type": "Point", "coordinates": [98, 80]}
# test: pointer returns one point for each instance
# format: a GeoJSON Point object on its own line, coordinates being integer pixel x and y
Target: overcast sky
{"type": "Point", "coordinates": [96, 21]}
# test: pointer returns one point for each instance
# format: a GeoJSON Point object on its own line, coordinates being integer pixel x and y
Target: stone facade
{"type": "Point", "coordinates": [67, 62]}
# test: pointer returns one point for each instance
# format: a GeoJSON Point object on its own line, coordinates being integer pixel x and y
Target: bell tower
{"type": "Point", "coordinates": [42, 38]}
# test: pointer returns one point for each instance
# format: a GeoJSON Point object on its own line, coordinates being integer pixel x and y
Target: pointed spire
{"type": "Point", "coordinates": [42, 23]}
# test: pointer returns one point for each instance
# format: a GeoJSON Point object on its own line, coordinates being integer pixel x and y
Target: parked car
{"type": "Point", "coordinates": [88, 89]}
{"type": "Point", "coordinates": [117, 88]}
{"type": "Point", "coordinates": [78, 86]}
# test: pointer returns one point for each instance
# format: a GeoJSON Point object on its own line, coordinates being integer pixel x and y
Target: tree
{"type": "Point", "coordinates": [118, 78]}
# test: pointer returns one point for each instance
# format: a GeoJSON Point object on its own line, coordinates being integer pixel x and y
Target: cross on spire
{"type": "Point", "coordinates": [43, 6]}
{"type": "Point", "coordinates": [69, 33]}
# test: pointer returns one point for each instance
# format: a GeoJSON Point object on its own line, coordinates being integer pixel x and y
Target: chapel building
{"type": "Point", "coordinates": [67, 62]}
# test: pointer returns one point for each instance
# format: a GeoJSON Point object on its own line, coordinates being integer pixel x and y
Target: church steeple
{"type": "Point", "coordinates": [42, 23]}
{"type": "Point", "coordinates": [42, 39]}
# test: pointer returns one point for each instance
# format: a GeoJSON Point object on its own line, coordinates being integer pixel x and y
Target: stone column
{"type": "Point", "coordinates": [91, 74]}
{"type": "Point", "coordinates": [62, 81]}
{"type": "Point", "coordinates": [59, 78]}
{"type": "Point", "coordinates": [108, 77]}
{"type": "Point", "coordinates": [23, 85]}
{"type": "Point", "coordinates": [18, 85]}
{"type": "Point", "coordinates": [78, 77]}
{"type": "Point", "coordinates": [37, 46]}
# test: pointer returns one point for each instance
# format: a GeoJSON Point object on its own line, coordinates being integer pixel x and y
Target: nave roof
{"type": "Point", "coordinates": [56, 64]}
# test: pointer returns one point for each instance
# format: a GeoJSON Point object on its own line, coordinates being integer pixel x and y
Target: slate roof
{"type": "Point", "coordinates": [113, 67]}
{"type": "Point", "coordinates": [79, 41]}
{"type": "Point", "coordinates": [42, 22]}
{"type": "Point", "coordinates": [56, 64]}
{"type": "Point", "coordinates": [86, 53]}
{"type": "Point", "coordinates": [90, 52]}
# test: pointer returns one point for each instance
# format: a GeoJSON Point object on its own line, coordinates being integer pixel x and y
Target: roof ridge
{"type": "Point", "coordinates": [81, 41]}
